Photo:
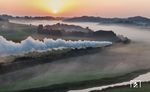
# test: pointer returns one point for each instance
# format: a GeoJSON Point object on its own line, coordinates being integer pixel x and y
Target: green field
{"type": "Point", "coordinates": [16, 32]}
{"type": "Point", "coordinates": [63, 81]}
{"type": "Point", "coordinates": [77, 74]}
{"type": "Point", "coordinates": [19, 32]}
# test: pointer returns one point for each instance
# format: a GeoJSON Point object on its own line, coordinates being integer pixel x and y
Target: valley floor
{"type": "Point", "coordinates": [111, 62]}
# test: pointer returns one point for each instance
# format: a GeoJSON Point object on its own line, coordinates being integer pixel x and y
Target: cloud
{"type": "Point", "coordinates": [30, 44]}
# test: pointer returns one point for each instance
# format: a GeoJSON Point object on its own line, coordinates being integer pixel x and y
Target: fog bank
{"type": "Point", "coordinates": [30, 44]}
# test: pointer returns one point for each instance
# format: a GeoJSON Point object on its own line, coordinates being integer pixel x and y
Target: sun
{"type": "Point", "coordinates": [55, 11]}
{"type": "Point", "coordinates": [56, 6]}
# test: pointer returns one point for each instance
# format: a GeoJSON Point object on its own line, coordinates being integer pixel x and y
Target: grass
{"type": "Point", "coordinates": [56, 80]}
{"type": "Point", "coordinates": [63, 82]}
{"type": "Point", "coordinates": [19, 32]}
{"type": "Point", "coordinates": [16, 32]}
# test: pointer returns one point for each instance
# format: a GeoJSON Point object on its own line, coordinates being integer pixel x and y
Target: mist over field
{"type": "Point", "coordinates": [29, 44]}
{"type": "Point", "coordinates": [69, 45]}
{"type": "Point", "coordinates": [109, 62]}
{"type": "Point", "coordinates": [113, 61]}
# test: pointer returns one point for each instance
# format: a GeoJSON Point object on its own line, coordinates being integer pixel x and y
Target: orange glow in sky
{"type": "Point", "coordinates": [104, 8]}
{"type": "Point", "coordinates": [58, 6]}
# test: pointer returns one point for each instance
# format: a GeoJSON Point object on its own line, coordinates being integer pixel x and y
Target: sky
{"type": "Point", "coordinates": [69, 8]}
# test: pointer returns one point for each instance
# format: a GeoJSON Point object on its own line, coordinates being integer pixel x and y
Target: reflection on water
{"type": "Point", "coordinates": [134, 33]}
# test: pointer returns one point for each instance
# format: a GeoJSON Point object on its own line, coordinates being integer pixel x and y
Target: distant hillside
{"type": "Point", "coordinates": [65, 30]}
{"type": "Point", "coordinates": [2, 19]}
{"type": "Point", "coordinates": [16, 32]}
{"type": "Point", "coordinates": [7, 17]}
{"type": "Point", "coordinates": [137, 20]}
{"type": "Point", "coordinates": [64, 27]}
{"type": "Point", "coordinates": [27, 60]}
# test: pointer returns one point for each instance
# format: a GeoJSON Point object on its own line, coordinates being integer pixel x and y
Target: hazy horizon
{"type": "Point", "coordinates": [71, 8]}
{"type": "Point", "coordinates": [68, 16]}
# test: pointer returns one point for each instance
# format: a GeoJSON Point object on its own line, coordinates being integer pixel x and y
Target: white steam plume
{"type": "Point", "coordinates": [29, 44]}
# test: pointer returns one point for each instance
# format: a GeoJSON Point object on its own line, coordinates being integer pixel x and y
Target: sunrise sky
{"type": "Point", "coordinates": [103, 8]}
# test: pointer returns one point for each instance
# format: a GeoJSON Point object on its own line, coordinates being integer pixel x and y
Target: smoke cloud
{"type": "Point", "coordinates": [30, 44]}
